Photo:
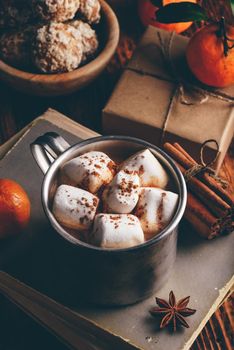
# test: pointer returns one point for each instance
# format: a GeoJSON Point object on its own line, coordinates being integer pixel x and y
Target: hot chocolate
{"type": "Point", "coordinates": [117, 206]}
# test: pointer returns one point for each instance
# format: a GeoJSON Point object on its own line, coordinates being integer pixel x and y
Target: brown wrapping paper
{"type": "Point", "coordinates": [150, 98]}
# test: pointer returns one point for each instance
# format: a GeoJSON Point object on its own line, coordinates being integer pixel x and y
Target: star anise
{"type": "Point", "coordinates": [173, 311]}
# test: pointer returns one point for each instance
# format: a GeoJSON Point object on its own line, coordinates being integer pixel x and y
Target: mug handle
{"type": "Point", "coordinates": [46, 148]}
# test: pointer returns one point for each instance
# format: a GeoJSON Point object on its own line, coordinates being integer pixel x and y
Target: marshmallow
{"type": "Point", "coordinates": [74, 207]}
{"type": "Point", "coordinates": [89, 171]}
{"type": "Point", "coordinates": [148, 168]}
{"type": "Point", "coordinates": [116, 231]}
{"type": "Point", "coordinates": [122, 194]}
{"type": "Point", "coordinates": [155, 209]}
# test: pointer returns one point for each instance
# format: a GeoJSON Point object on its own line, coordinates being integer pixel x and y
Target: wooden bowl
{"type": "Point", "coordinates": [65, 83]}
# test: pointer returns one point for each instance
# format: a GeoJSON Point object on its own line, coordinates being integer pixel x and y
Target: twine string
{"type": "Point", "coordinates": [204, 92]}
{"type": "Point", "coordinates": [179, 91]}
{"type": "Point", "coordinates": [166, 52]}
{"type": "Point", "coordinates": [166, 48]}
{"type": "Point", "coordinates": [205, 166]}
{"type": "Point", "coordinates": [168, 113]}
{"type": "Point", "coordinates": [202, 99]}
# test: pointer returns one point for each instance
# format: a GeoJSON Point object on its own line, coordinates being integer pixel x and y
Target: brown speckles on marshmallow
{"type": "Point", "coordinates": [74, 207]}
{"type": "Point", "coordinates": [83, 171]}
{"type": "Point", "coordinates": [155, 209]}
{"type": "Point", "coordinates": [149, 169]}
{"type": "Point", "coordinates": [121, 195]}
{"type": "Point", "coordinates": [116, 231]}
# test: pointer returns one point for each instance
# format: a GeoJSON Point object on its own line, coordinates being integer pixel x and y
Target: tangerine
{"type": "Point", "coordinates": [206, 58]}
{"type": "Point", "coordinates": [147, 10]}
{"type": "Point", "coordinates": [14, 208]}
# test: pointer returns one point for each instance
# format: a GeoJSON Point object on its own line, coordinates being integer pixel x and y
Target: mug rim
{"type": "Point", "coordinates": [75, 241]}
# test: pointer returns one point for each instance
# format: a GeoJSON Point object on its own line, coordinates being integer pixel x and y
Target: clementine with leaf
{"type": "Point", "coordinates": [206, 56]}
{"type": "Point", "coordinates": [14, 208]}
{"type": "Point", "coordinates": [148, 15]}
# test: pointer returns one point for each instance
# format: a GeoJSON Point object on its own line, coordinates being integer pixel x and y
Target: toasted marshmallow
{"type": "Point", "coordinates": [148, 168]}
{"type": "Point", "coordinates": [122, 194]}
{"type": "Point", "coordinates": [89, 171]}
{"type": "Point", "coordinates": [155, 209]}
{"type": "Point", "coordinates": [116, 231]}
{"type": "Point", "coordinates": [74, 207]}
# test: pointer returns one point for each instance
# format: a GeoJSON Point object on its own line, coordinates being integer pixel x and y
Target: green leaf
{"type": "Point", "coordinates": [180, 12]}
{"type": "Point", "coordinates": [232, 6]}
{"type": "Point", "coordinates": [157, 3]}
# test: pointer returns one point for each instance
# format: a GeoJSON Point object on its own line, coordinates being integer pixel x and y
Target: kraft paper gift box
{"type": "Point", "coordinates": [158, 100]}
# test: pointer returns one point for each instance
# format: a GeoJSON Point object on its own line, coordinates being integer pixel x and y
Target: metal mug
{"type": "Point", "coordinates": [113, 276]}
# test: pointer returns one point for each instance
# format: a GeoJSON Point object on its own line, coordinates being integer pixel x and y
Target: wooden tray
{"type": "Point", "coordinates": [202, 270]}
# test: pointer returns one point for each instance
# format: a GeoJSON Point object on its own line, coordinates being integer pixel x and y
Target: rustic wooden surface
{"type": "Point", "coordinates": [18, 109]}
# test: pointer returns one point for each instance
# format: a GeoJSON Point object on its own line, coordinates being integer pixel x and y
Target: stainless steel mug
{"type": "Point", "coordinates": [113, 276]}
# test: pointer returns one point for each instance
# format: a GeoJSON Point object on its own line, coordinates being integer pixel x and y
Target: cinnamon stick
{"type": "Point", "coordinates": [216, 204]}
{"type": "Point", "coordinates": [183, 151]}
{"type": "Point", "coordinates": [209, 180]}
{"type": "Point", "coordinates": [209, 207]}
{"type": "Point", "coordinates": [178, 156]}
{"type": "Point", "coordinates": [200, 218]}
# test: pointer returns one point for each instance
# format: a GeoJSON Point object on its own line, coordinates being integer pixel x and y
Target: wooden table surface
{"type": "Point", "coordinates": [17, 110]}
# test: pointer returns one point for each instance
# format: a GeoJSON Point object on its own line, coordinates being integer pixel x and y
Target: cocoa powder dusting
{"type": "Point", "coordinates": [112, 167]}
{"type": "Point", "coordinates": [117, 217]}
{"type": "Point", "coordinates": [97, 166]}
{"type": "Point", "coordinates": [126, 187]}
{"type": "Point", "coordinates": [140, 211]}
{"type": "Point", "coordinates": [141, 170]}
{"type": "Point", "coordinates": [95, 202]}
{"type": "Point", "coordinates": [95, 173]}
{"type": "Point", "coordinates": [129, 172]}
{"type": "Point", "coordinates": [131, 218]}
{"type": "Point", "coordinates": [159, 213]}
